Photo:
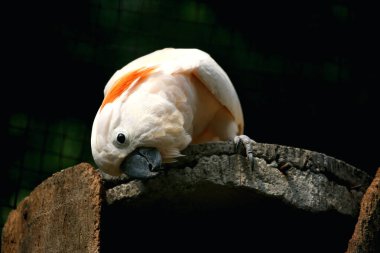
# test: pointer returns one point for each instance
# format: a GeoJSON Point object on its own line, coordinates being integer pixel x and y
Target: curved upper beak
{"type": "Point", "coordinates": [142, 163]}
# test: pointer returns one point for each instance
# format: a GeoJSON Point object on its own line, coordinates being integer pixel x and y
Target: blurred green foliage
{"type": "Point", "coordinates": [48, 146]}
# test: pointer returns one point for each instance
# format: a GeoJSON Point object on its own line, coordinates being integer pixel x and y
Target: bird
{"type": "Point", "coordinates": [160, 103]}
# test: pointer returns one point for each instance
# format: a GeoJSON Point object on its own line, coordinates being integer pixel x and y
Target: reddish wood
{"type": "Point", "coordinates": [366, 236]}
{"type": "Point", "coordinates": [62, 214]}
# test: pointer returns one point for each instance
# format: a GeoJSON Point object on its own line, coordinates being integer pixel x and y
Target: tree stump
{"type": "Point", "coordinates": [295, 199]}
{"type": "Point", "coordinates": [62, 214]}
{"type": "Point", "coordinates": [366, 237]}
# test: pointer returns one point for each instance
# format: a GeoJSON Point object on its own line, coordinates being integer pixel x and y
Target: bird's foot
{"type": "Point", "coordinates": [243, 141]}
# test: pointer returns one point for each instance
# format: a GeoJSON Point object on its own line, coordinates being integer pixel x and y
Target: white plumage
{"type": "Point", "coordinates": [164, 100]}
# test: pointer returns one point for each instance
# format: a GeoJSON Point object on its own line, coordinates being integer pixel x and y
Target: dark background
{"type": "Point", "coordinates": [305, 72]}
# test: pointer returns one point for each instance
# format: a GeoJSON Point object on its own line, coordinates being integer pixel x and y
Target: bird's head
{"type": "Point", "coordinates": [119, 137]}
{"type": "Point", "coordinates": [136, 128]}
{"type": "Point", "coordinates": [118, 146]}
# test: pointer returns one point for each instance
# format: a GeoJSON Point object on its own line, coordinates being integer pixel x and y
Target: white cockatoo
{"type": "Point", "coordinates": [157, 105]}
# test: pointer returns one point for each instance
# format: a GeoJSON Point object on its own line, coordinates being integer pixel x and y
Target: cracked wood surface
{"type": "Point", "coordinates": [62, 214]}
{"type": "Point", "coordinates": [305, 179]}
{"type": "Point", "coordinates": [366, 236]}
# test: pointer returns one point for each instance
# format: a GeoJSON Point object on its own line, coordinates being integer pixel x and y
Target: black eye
{"type": "Point", "coordinates": [120, 138]}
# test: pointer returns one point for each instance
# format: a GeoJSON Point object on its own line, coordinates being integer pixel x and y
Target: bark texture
{"type": "Point", "coordinates": [292, 200]}
{"type": "Point", "coordinates": [62, 214]}
{"type": "Point", "coordinates": [305, 179]}
{"type": "Point", "coordinates": [366, 237]}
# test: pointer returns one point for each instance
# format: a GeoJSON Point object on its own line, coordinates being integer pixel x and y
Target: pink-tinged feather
{"type": "Point", "coordinates": [129, 81]}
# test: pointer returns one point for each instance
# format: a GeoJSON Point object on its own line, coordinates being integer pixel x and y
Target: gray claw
{"type": "Point", "coordinates": [246, 142]}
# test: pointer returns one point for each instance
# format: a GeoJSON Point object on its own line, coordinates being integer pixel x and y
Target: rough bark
{"type": "Point", "coordinates": [305, 179]}
{"type": "Point", "coordinates": [62, 214]}
{"type": "Point", "coordinates": [292, 200]}
{"type": "Point", "coordinates": [366, 237]}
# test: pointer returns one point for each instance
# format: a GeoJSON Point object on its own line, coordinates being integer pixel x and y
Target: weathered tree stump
{"type": "Point", "coordinates": [296, 199]}
{"type": "Point", "coordinates": [366, 237]}
{"type": "Point", "coordinates": [62, 214]}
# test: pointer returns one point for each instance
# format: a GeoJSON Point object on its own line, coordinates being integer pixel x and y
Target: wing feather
{"type": "Point", "coordinates": [190, 61]}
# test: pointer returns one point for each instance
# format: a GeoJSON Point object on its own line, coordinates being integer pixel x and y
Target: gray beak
{"type": "Point", "coordinates": [142, 163]}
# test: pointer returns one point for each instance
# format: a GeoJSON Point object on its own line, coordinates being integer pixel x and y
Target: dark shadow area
{"type": "Point", "coordinates": [218, 218]}
{"type": "Point", "coordinates": [331, 111]}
